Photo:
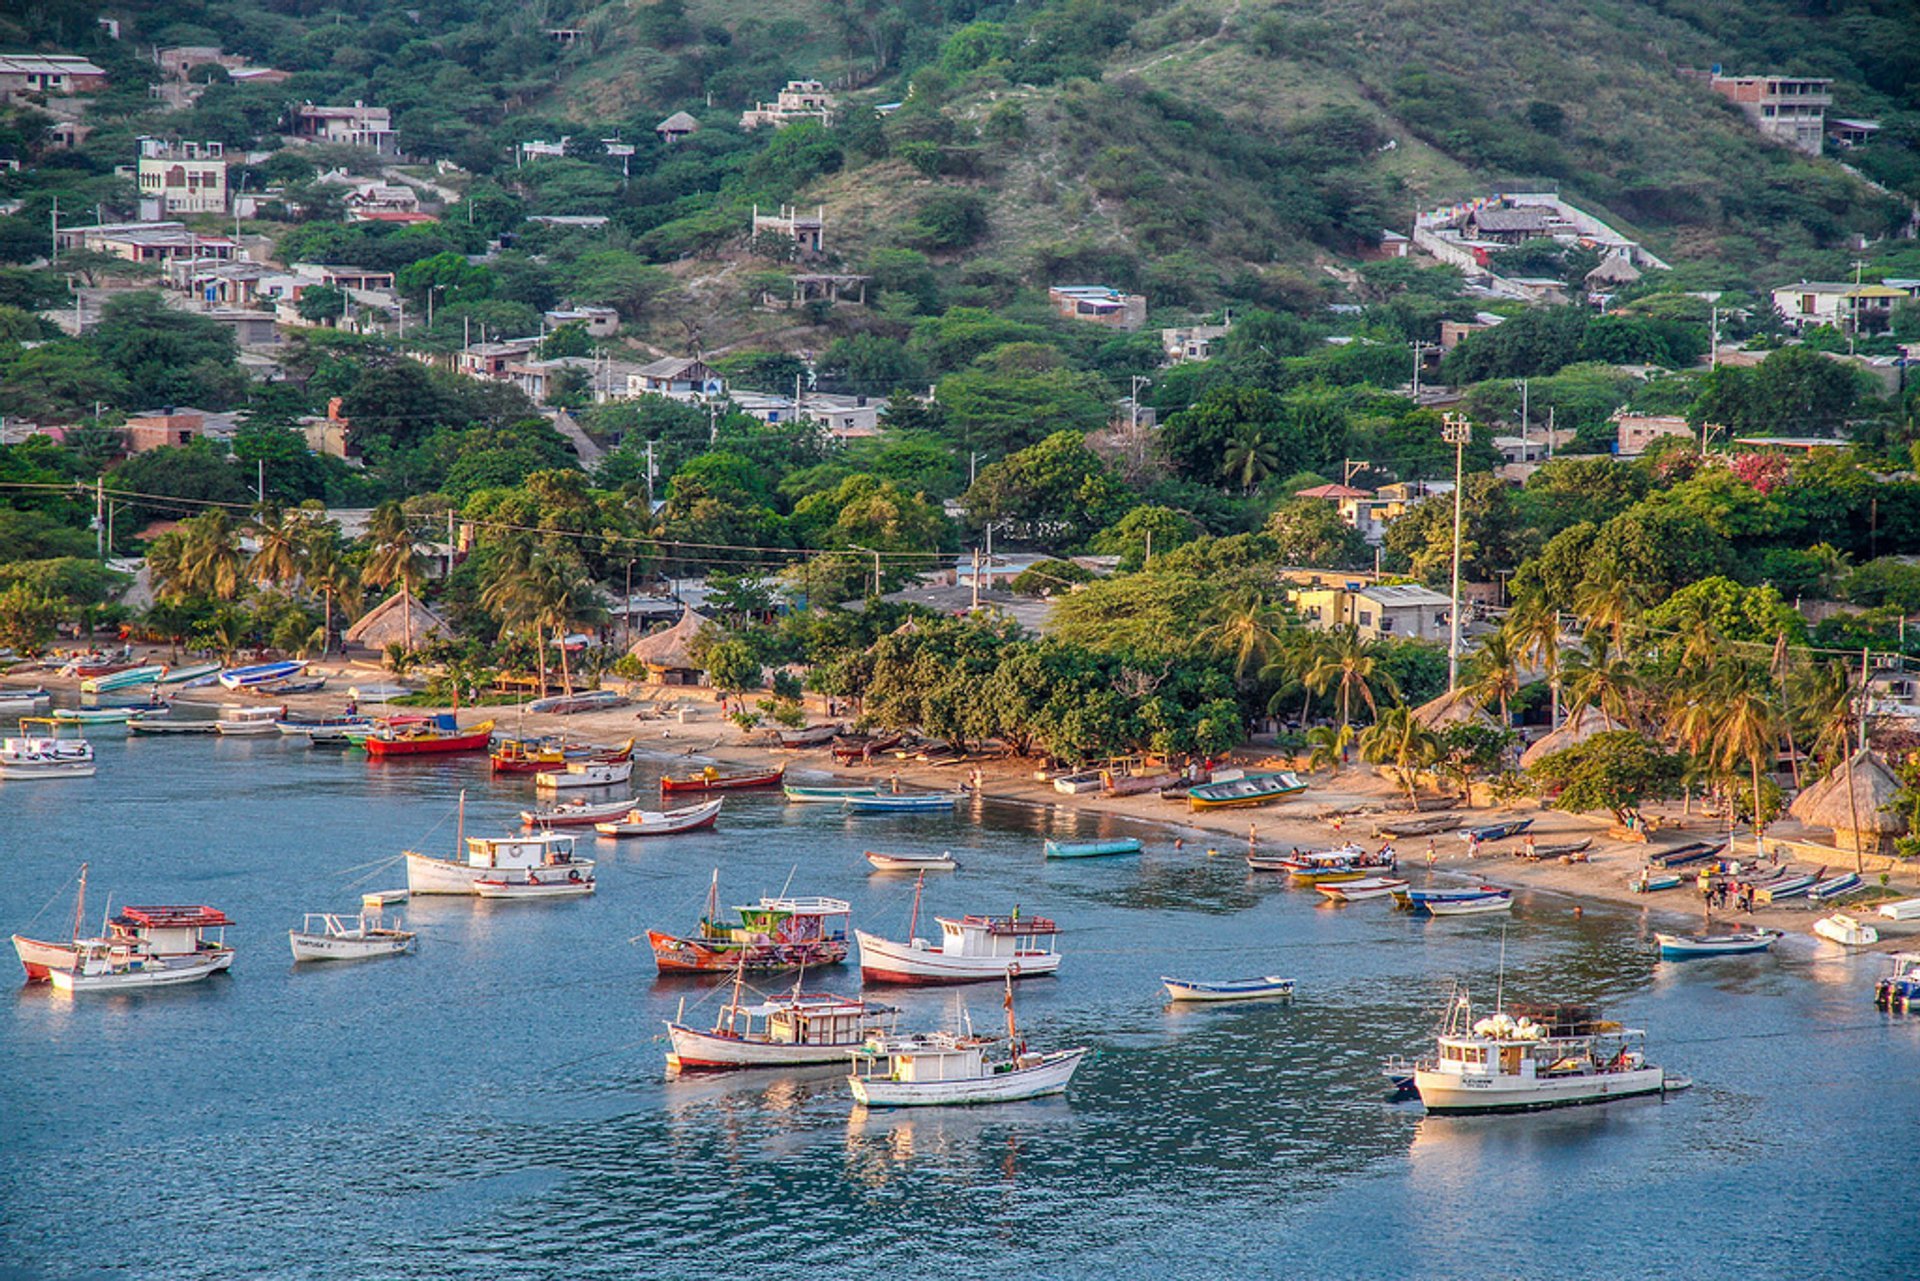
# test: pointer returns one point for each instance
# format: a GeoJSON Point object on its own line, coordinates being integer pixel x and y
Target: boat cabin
{"type": "Point", "coordinates": [938, 1057]}
{"type": "Point", "coordinates": [808, 919]}
{"type": "Point", "coordinates": [803, 1020]}
{"type": "Point", "coordinates": [174, 931]}
{"type": "Point", "coordinates": [996, 936]}
{"type": "Point", "coordinates": [508, 853]}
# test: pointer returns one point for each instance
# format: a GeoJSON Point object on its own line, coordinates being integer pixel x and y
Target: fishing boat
{"type": "Point", "coordinates": [1650, 880]}
{"type": "Point", "coordinates": [972, 949]}
{"type": "Point", "coordinates": [849, 748]}
{"type": "Point", "coordinates": [811, 736]}
{"type": "Point", "coordinates": [1485, 898]}
{"type": "Point", "coordinates": [828, 795]}
{"type": "Point", "coordinates": [350, 736]}
{"type": "Point", "coordinates": [238, 721]}
{"type": "Point", "coordinates": [531, 755]}
{"type": "Point", "coordinates": [941, 862]}
{"type": "Point", "coordinates": [1077, 783]}
{"type": "Point", "coordinates": [1845, 930]}
{"type": "Point", "coordinates": [1138, 784]}
{"type": "Point", "coordinates": [638, 822]}
{"type": "Point", "coordinates": [125, 678]}
{"type": "Point", "coordinates": [154, 727]}
{"type": "Point", "coordinates": [1545, 1057]}
{"type": "Point", "coordinates": [1684, 855]}
{"type": "Point", "coordinates": [1093, 849]}
{"type": "Point", "coordinates": [439, 735]}
{"type": "Point", "coordinates": [783, 1031]}
{"type": "Point", "coordinates": [39, 956]}
{"type": "Point", "coordinates": [579, 813]}
{"type": "Point", "coordinates": [1425, 825]}
{"type": "Point", "coordinates": [1491, 832]}
{"type": "Point", "coordinates": [108, 715]}
{"type": "Point", "coordinates": [16, 702]}
{"type": "Point", "coordinates": [1836, 887]}
{"type": "Point", "coordinates": [1227, 990]}
{"type": "Point", "coordinates": [535, 884]}
{"type": "Point", "coordinates": [1350, 863]}
{"type": "Point", "coordinates": [781, 933]}
{"type": "Point", "coordinates": [907, 802]}
{"type": "Point", "coordinates": [1558, 849]}
{"type": "Point", "coordinates": [35, 757]}
{"type": "Point", "coordinates": [593, 700]}
{"type": "Point", "coordinates": [172, 935]}
{"type": "Point", "coordinates": [1681, 947]}
{"type": "Point", "coordinates": [112, 965]}
{"type": "Point", "coordinates": [86, 665]}
{"type": "Point", "coordinates": [276, 689]}
{"type": "Point", "coordinates": [1792, 885]}
{"type": "Point", "coordinates": [580, 774]}
{"type": "Point", "coordinates": [1367, 887]}
{"type": "Point", "coordinates": [489, 856]}
{"type": "Point", "coordinates": [949, 1069]}
{"type": "Point", "coordinates": [326, 936]}
{"type": "Point", "coordinates": [1899, 991]}
{"type": "Point", "coordinates": [191, 674]}
{"type": "Point", "coordinates": [261, 673]}
{"type": "Point", "coordinates": [1249, 789]}
{"type": "Point", "coordinates": [308, 726]}
{"type": "Point", "coordinates": [712, 779]}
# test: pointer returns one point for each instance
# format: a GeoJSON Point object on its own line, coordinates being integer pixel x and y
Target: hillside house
{"type": "Point", "coordinates": [490, 360]}
{"type": "Point", "coordinates": [819, 287]}
{"type": "Point", "coordinates": [154, 242]}
{"type": "Point", "coordinates": [330, 436]}
{"type": "Point", "coordinates": [808, 234]}
{"type": "Point", "coordinates": [355, 126]}
{"type": "Point", "coordinates": [1857, 309]}
{"type": "Point", "coordinates": [1099, 305]}
{"type": "Point", "coordinates": [1195, 342]}
{"type": "Point", "coordinates": [163, 428]}
{"type": "Point", "coordinates": [1507, 225]}
{"type": "Point", "coordinates": [1634, 432]}
{"type": "Point", "coordinates": [1848, 134]}
{"type": "Point", "coordinates": [600, 322]}
{"type": "Point", "coordinates": [800, 100]}
{"type": "Point", "coordinates": [1377, 610]}
{"type": "Point", "coordinates": [677, 378]}
{"type": "Point", "coordinates": [1788, 109]}
{"type": "Point", "coordinates": [181, 177]}
{"type": "Point", "coordinates": [48, 74]}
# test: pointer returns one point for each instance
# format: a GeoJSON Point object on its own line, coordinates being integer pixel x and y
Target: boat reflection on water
{"type": "Point", "coordinates": [886, 1143]}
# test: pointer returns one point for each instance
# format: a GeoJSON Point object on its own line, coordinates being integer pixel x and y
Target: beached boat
{"type": "Point", "coordinates": [1485, 898]}
{"type": "Point", "coordinates": [307, 726]}
{"type": "Point", "coordinates": [1792, 885]}
{"type": "Point", "coordinates": [1226, 990]}
{"type": "Point", "coordinates": [1367, 887]}
{"type": "Point", "coordinates": [1321, 867]}
{"type": "Point", "coordinates": [1490, 832]}
{"type": "Point", "coordinates": [1093, 849]}
{"type": "Point", "coordinates": [108, 715]}
{"type": "Point", "coordinates": [1249, 789]}
{"type": "Point", "coordinates": [774, 934]}
{"type": "Point", "coordinates": [828, 795]}
{"type": "Point", "coordinates": [237, 721]}
{"type": "Point", "coordinates": [1836, 887]}
{"type": "Point", "coordinates": [87, 665]}
{"type": "Point", "coordinates": [849, 748]}
{"type": "Point", "coordinates": [1075, 784]}
{"type": "Point", "coordinates": [191, 674]}
{"type": "Point", "coordinates": [23, 702]}
{"type": "Point", "coordinates": [159, 727]}
{"type": "Point", "coordinates": [579, 813]}
{"type": "Point", "coordinates": [1557, 849]}
{"type": "Point", "coordinates": [908, 802]}
{"type": "Point", "coordinates": [36, 757]}
{"type": "Point", "coordinates": [125, 678]}
{"type": "Point", "coordinates": [579, 774]}
{"type": "Point", "coordinates": [712, 779]}
{"type": "Point", "coordinates": [1550, 1057]}
{"type": "Point", "coordinates": [1421, 825]}
{"type": "Point", "coordinates": [489, 856]}
{"type": "Point", "coordinates": [1680, 947]}
{"type": "Point", "coordinates": [690, 818]}
{"type": "Point", "coordinates": [1650, 880]}
{"type": "Point", "coordinates": [326, 936]}
{"type": "Point", "coordinates": [593, 700]}
{"type": "Point", "coordinates": [972, 949]}
{"type": "Point", "coordinates": [782, 1031]}
{"type": "Point", "coordinates": [941, 862]}
{"type": "Point", "coordinates": [1138, 784]}
{"type": "Point", "coordinates": [261, 673]}
{"type": "Point", "coordinates": [811, 736]}
{"type": "Point", "coordinates": [441, 734]}
{"type": "Point", "coordinates": [1905, 909]}
{"type": "Point", "coordinates": [1899, 991]}
{"type": "Point", "coordinates": [535, 884]}
{"type": "Point", "coordinates": [1845, 930]}
{"type": "Point", "coordinates": [1685, 855]}
{"type": "Point", "coordinates": [276, 689]}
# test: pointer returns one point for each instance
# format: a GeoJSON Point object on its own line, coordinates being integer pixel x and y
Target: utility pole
{"type": "Point", "coordinates": [649, 478]}
{"type": "Point", "coordinates": [1713, 338]}
{"type": "Point", "coordinates": [1418, 348]}
{"type": "Point", "coordinates": [260, 480]}
{"type": "Point", "coordinates": [54, 257]}
{"type": "Point", "coordinates": [1148, 562]}
{"type": "Point", "coordinates": [449, 542]}
{"type": "Point", "coordinates": [1458, 432]}
{"type": "Point", "coordinates": [1523, 422]}
{"type": "Point", "coordinates": [100, 517]}
{"type": "Point", "coordinates": [976, 578]}
{"type": "Point", "coordinates": [1550, 412]}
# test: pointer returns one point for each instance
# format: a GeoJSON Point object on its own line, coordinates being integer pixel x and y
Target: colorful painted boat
{"type": "Point", "coordinates": [1229, 990]}
{"type": "Point", "coordinates": [126, 678]}
{"type": "Point", "coordinates": [784, 1031]}
{"type": "Point", "coordinates": [585, 774]}
{"type": "Point", "coordinates": [438, 737]}
{"type": "Point", "coordinates": [191, 673]}
{"type": "Point", "coordinates": [1651, 880]}
{"type": "Point", "coordinates": [1683, 855]}
{"type": "Point", "coordinates": [261, 673]}
{"type": "Point", "coordinates": [157, 726]}
{"type": "Point", "coordinates": [1785, 887]}
{"type": "Point", "coordinates": [661, 823]}
{"type": "Point", "coordinates": [904, 802]}
{"type": "Point", "coordinates": [530, 756]}
{"type": "Point", "coordinates": [773, 934]}
{"type": "Point", "coordinates": [849, 748]}
{"type": "Point", "coordinates": [711, 779]}
{"type": "Point", "coordinates": [1490, 832]}
{"type": "Point", "coordinates": [1681, 947]}
{"type": "Point", "coordinates": [16, 702]}
{"type": "Point", "coordinates": [1251, 789]}
{"type": "Point", "coordinates": [1836, 886]}
{"type": "Point", "coordinates": [828, 795]}
{"type": "Point", "coordinates": [1367, 887]}
{"type": "Point", "coordinates": [580, 813]}
{"type": "Point", "coordinates": [1093, 849]}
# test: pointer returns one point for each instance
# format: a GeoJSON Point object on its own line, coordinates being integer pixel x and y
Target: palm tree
{"type": "Point", "coordinates": [1398, 740]}
{"type": "Point", "coordinates": [565, 596]}
{"type": "Point", "coordinates": [394, 559]}
{"type": "Point", "coordinates": [1287, 671]}
{"type": "Point", "coordinates": [1247, 627]}
{"type": "Point", "coordinates": [1601, 677]}
{"type": "Point", "coordinates": [279, 549]}
{"type": "Point", "coordinates": [210, 556]}
{"type": "Point", "coordinates": [1250, 459]}
{"type": "Point", "coordinates": [333, 576]}
{"type": "Point", "coordinates": [511, 596]}
{"type": "Point", "coordinates": [1497, 662]}
{"type": "Point", "coordinates": [1749, 730]}
{"type": "Point", "coordinates": [1351, 665]}
{"type": "Point", "coordinates": [1327, 747]}
{"type": "Point", "coordinates": [1605, 601]}
{"type": "Point", "coordinates": [1533, 629]}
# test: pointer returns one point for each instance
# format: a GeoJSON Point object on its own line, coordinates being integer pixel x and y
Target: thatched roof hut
{"type": "Point", "coordinates": [1455, 707]}
{"type": "Point", "coordinates": [1860, 820]}
{"type": "Point", "coordinates": [392, 622]}
{"type": "Point", "coordinates": [668, 654]}
{"type": "Point", "coordinates": [1571, 733]}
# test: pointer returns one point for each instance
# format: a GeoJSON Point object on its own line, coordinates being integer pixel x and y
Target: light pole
{"type": "Point", "coordinates": [1458, 432]}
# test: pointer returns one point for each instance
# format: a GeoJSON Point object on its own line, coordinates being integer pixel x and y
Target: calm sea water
{"type": "Point", "coordinates": [496, 1106]}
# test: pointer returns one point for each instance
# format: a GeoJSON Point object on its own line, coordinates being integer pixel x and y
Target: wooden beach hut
{"type": "Point", "coordinates": [1855, 802]}
{"type": "Point", "coordinates": [668, 654]}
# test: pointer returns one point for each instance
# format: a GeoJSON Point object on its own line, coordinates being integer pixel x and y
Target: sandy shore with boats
{"type": "Point", "coordinates": [675, 722]}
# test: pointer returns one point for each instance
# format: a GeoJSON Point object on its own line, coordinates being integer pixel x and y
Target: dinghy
{"type": "Point", "coordinates": [941, 862]}
{"type": "Point", "coordinates": [1680, 947]}
{"type": "Point", "coordinates": [661, 823]}
{"type": "Point", "coordinates": [906, 802]}
{"type": "Point", "coordinates": [531, 885]}
{"type": "Point", "coordinates": [1368, 887]}
{"type": "Point", "coordinates": [1093, 849]}
{"type": "Point", "coordinates": [1228, 990]}
{"type": "Point", "coordinates": [1846, 931]}
{"type": "Point", "coordinates": [325, 936]}
{"type": "Point", "coordinates": [828, 795]}
{"type": "Point", "coordinates": [581, 813]}
{"type": "Point", "coordinates": [261, 673]}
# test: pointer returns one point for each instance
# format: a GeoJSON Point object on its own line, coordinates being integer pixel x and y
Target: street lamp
{"type": "Point", "coordinates": [1458, 432]}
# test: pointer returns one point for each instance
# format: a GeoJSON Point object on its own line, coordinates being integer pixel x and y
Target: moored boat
{"type": "Point", "coordinates": [157, 727]}
{"type": "Point", "coordinates": [437, 735]}
{"type": "Point", "coordinates": [191, 674]}
{"type": "Point", "coordinates": [1093, 849]}
{"type": "Point", "coordinates": [972, 949]}
{"type": "Point", "coordinates": [530, 756]}
{"type": "Point", "coordinates": [1845, 930]}
{"type": "Point", "coordinates": [774, 934]}
{"type": "Point", "coordinates": [139, 942]}
{"type": "Point", "coordinates": [1485, 898]}
{"type": "Point", "coordinates": [261, 673]}
{"type": "Point", "coordinates": [1228, 990]}
{"type": "Point", "coordinates": [14, 702]}
{"type": "Point", "coordinates": [1680, 947]}
{"type": "Point", "coordinates": [580, 774]}
{"type": "Point", "coordinates": [238, 721]}
{"type": "Point", "coordinates": [941, 862]}
{"type": "Point", "coordinates": [712, 779]}
{"type": "Point", "coordinates": [327, 936]}
{"type": "Point", "coordinates": [1791, 885]}
{"type": "Point", "coordinates": [108, 715]}
{"type": "Point", "coordinates": [784, 1031]}
{"type": "Point", "coordinates": [1650, 880]}
{"type": "Point", "coordinates": [125, 678]}
{"type": "Point", "coordinates": [489, 857]}
{"type": "Point", "coordinates": [947, 1069]}
{"type": "Point", "coordinates": [828, 795]}
{"type": "Point", "coordinates": [308, 726]}
{"type": "Point", "coordinates": [905, 802]}
{"type": "Point", "coordinates": [533, 884]}
{"type": "Point", "coordinates": [579, 813]}
{"type": "Point", "coordinates": [661, 822]}
{"type": "Point", "coordinates": [1899, 991]}
{"type": "Point", "coordinates": [114, 965]}
{"type": "Point", "coordinates": [1367, 887]}
{"type": "Point", "coordinates": [35, 757]}
{"type": "Point", "coordinates": [1249, 789]}
{"type": "Point", "coordinates": [848, 748]}
{"type": "Point", "coordinates": [1554, 1056]}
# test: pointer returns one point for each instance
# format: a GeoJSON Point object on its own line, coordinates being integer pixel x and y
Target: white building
{"type": "Point", "coordinates": [800, 100]}
{"type": "Point", "coordinates": [181, 178]}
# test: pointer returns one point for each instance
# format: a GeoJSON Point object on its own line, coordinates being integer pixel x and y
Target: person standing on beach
{"type": "Point", "coordinates": [1253, 838]}
{"type": "Point", "coordinates": [1432, 855]}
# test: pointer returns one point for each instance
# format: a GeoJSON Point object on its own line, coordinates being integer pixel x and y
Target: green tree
{"type": "Point", "coordinates": [1400, 742]}
{"type": "Point", "coordinates": [1309, 532]}
{"type": "Point", "coordinates": [1350, 664]}
{"type": "Point", "coordinates": [393, 560]}
{"type": "Point", "coordinates": [1617, 771]}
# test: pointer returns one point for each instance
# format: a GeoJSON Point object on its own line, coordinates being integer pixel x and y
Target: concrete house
{"type": "Point", "coordinates": [181, 177]}
{"type": "Point", "coordinates": [1857, 309]}
{"type": "Point", "coordinates": [800, 100]}
{"type": "Point", "coordinates": [52, 74]}
{"type": "Point", "coordinates": [355, 126]}
{"type": "Point", "coordinates": [679, 378]}
{"type": "Point", "coordinates": [1789, 109]}
{"type": "Point", "coordinates": [1099, 304]}
{"type": "Point", "coordinates": [1377, 610]}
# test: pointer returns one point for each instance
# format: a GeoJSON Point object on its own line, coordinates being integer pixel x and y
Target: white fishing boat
{"type": "Point", "coordinates": [1845, 930]}
{"type": "Point", "coordinates": [1549, 1057]}
{"type": "Point", "coordinates": [30, 758]}
{"type": "Point", "coordinates": [972, 949]}
{"type": "Point", "coordinates": [784, 1031]}
{"type": "Point", "coordinates": [536, 883]}
{"type": "Point", "coordinates": [490, 857]}
{"type": "Point", "coordinates": [1367, 887]}
{"type": "Point", "coordinates": [261, 673]}
{"type": "Point", "coordinates": [1258, 989]}
{"type": "Point", "coordinates": [1475, 905]}
{"type": "Point", "coordinates": [661, 822]}
{"type": "Point", "coordinates": [1680, 947]}
{"type": "Point", "coordinates": [240, 721]}
{"type": "Point", "coordinates": [1905, 909]}
{"type": "Point", "coordinates": [192, 674]}
{"type": "Point", "coordinates": [945, 1069]}
{"type": "Point", "coordinates": [941, 862]}
{"type": "Point", "coordinates": [170, 933]}
{"type": "Point", "coordinates": [109, 715]}
{"type": "Point", "coordinates": [585, 774]}
{"type": "Point", "coordinates": [579, 813]}
{"type": "Point", "coordinates": [325, 936]}
{"type": "Point", "coordinates": [115, 965]}
{"type": "Point", "coordinates": [23, 702]}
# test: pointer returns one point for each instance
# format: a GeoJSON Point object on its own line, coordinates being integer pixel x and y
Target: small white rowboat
{"type": "Point", "coordinates": [1365, 888]}
{"type": "Point", "coordinates": [1231, 990]}
{"type": "Point", "coordinates": [327, 937]}
{"type": "Point", "coordinates": [941, 862]}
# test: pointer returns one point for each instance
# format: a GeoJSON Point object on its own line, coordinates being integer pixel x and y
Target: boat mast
{"type": "Point", "coordinates": [1013, 1033]}
{"type": "Point", "coordinates": [460, 829]}
{"type": "Point", "coordinates": [80, 902]}
{"type": "Point", "coordinates": [913, 922]}
{"type": "Point", "coordinates": [713, 897]}
{"type": "Point", "coordinates": [1500, 984]}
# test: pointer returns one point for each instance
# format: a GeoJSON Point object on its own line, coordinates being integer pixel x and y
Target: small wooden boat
{"type": "Point", "coordinates": [1367, 887]}
{"type": "Point", "coordinates": [325, 936]}
{"type": "Point", "coordinates": [971, 949]}
{"type": "Point", "coordinates": [1425, 825]}
{"type": "Point", "coordinates": [1558, 849]}
{"type": "Point", "coordinates": [799, 932]}
{"type": "Point", "coordinates": [440, 735]}
{"type": "Point", "coordinates": [153, 726]}
{"type": "Point", "coordinates": [1490, 900]}
{"type": "Point", "coordinates": [307, 726]}
{"type": "Point", "coordinates": [1139, 784]}
{"type": "Point", "coordinates": [1251, 789]}
{"type": "Point", "coordinates": [1683, 855]}
{"type": "Point", "coordinates": [1835, 887]}
{"type": "Point", "coordinates": [1651, 880]}
{"type": "Point", "coordinates": [1093, 849]}
{"type": "Point", "coordinates": [1846, 930]}
{"type": "Point", "coordinates": [550, 854]}
{"type": "Point", "coordinates": [595, 700]}
{"type": "Point", "coordinates": [579, 774]}
{"type": "Point", "coordinates": [1228, 990]}
{"type": "Point", "coordinates": [828, 795]}
{"type": "Point", "coordinates": [261, 673]}
{"type": "Point", "coordinates": [530, 756]}
{"type": "Point", "coordinates": [16, 702]}
{"type": "Point", "coordinates": [1491, 832]}
{"type": "Point", "coordinates": [532, 884]}
{"type": "Point", "coordinates": [904, 802]}
{"type": "Point", "coordinates": [113, 965]}
{"type": "Point", "coordinates": [661, 823]}
{"type": "Point", "coordinates": [941, 862]}
{"type": "Point", "coordinates": [109, 715]}
{"type": "Point", "coordinates": [244, 721]}
{"type": "Point", "coordinates": [939, 1069]}
{"type": "Point", "coordinates": [785, 1031]}
{"type": "Point", "coordinates": [29, 758]}
{"type": "Point", "coordinates": [276, 689]}
{"type": "Point", "coordinates": [849, 748]}
{"type": "Point", "coordinates": [374, 900]}
{"type": "Point", "coordinates": [811, 736]}
{"type": "Point", "coordinates": [125, 678]}
{"type": "Point", "coordinates": [1680, 947]}
{"type": "Point", "coordinates": [1792, 885]}
{"type": "Point", "coordinates": [580, 813]}
{"type": "Point", "coordinates": [711, 779]}
{"type": "Point", "coordinates": [192, 674]}
{"type": "Point", "coordinates": [1075, 784]}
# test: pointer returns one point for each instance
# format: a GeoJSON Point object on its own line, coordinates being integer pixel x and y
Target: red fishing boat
{"type": "Point", "coordinates": [774, 934]}
{"type": "Point", "coordinates": [438, 735]}
{"type": "Point", "coordinates": [712, 780]}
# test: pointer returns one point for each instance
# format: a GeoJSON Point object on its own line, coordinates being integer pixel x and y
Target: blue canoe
{"type": "Point", "coordinates": [1093, 849]}
{"type": "Point", "coordinates": [905, 801]}
{"type": "Point", "coordinates": [1230, 990]}
{"type": "Point", "coordinates": [1496, 831]}
{"type": "Point", "coordinates": [1680, 947]}
{"type": "Point", "coordinates": [261, 673]}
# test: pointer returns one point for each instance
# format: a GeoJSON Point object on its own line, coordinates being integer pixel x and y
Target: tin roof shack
{"type": "Point", "coordinates": [1100, 305]}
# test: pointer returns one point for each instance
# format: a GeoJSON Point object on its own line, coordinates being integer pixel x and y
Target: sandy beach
{"type": "Point", "coordinates": [671, 722]}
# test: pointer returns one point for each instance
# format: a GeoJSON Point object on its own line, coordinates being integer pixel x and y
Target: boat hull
{"type": "Point", "coordinates": [1469, 907]}
{"type": "Point", "coordinates": [1681, 947]}
{"type": "Point", "coordinates": [723, 782]}
{"type": "Point", "coordinates": [1092, 849]}
{"type": "Point", "coordinates": [697, 1050]}
{"type": "Point", "coordinates": [887, 961]}
{"type": "Point", "coordinates": [25, 770]}
{"type": "Point", "coordinates": [168, 972]}
{"type": "Point", "coordinates": [1049, 1076]}
{"type": "Point", "coordinates": [669, 823]}
{"type": "Point", "coordinates": [674, 955]}
{"type": "Point", "coordinates": [429, 875]}
{"type": "Point", "coordinates": [1448, 1094]}
{"type": "Point", "coordinates": [41, 958]}
{"type": "Point", "coordinates": [514, 891]}
{"type": "Point", "coordinates": [476, 741]}
{"type": "Point", "coordinates": [898, 863]}
{"type": "Point", "coordinates": [826, 795]}
{"type": "Point", "coordinates": [885, 804]}
{"type": "Point", "coordinates": [584, 776]}
{"type": "Point", "coordinates": [334, 947]}
{"type": "Point", "coordinates": [1361, 890]}
{"type": "Point", "coordinates": [1263, 990]}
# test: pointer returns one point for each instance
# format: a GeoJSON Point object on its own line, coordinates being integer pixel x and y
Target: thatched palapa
{"type": "Point", "coordinates": [391, 623]}
{"type": "Point", "coordinates": [1455, 707]}
{"type": "Point", "coordinates": [668, 654]}
{"type": "Point", "coordinates": [1571, 733]}
{"type": "Point", "coordinates": [1855, 802]}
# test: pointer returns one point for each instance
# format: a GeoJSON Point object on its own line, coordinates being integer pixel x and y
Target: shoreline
{"type": "Point", "coordinates": [1339, 807]}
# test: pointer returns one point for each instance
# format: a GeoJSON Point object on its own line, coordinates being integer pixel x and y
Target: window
{"type": "Point", "coordinates": [1366, 618]}
{"type": "Point", "coordinates": [1386, 622]}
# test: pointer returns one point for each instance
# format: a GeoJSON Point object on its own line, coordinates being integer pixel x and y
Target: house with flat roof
{"type": "Point", "coordinates": [48, 73]}
{"type": "Point", "coordinates": [1634, 432]}
{"type": "Point", "coordinates": [1789, 109]}
{"type": "Point", "coordinates": [679, 378]}
{"type": "Point", "coordinates": [1376, 610]}
{"type": "Point", "coordinates": [1099, 304]}
{"type": "Point", "coordinates": [179, 177]}
{"type": "Point", "coordinates": [1856, 309]}
{"type": "Point", "coordinates": [155, 242]}
{"type": "Point", "coordinates": [800, 100]}
{"type": "Point", "coordinates": [1194, 342]}
{"type": "Point", "coordinates": [491, 360]}
{"type": "Point", "coordinates": [355, 126]}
